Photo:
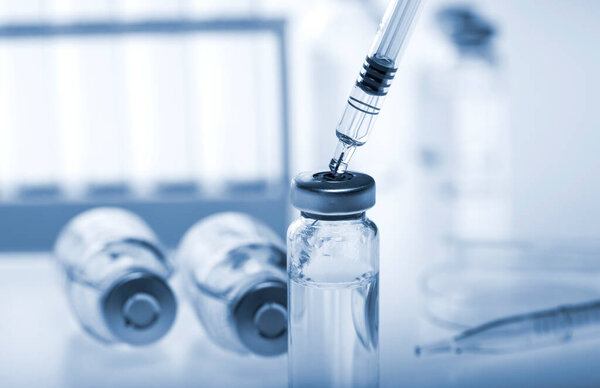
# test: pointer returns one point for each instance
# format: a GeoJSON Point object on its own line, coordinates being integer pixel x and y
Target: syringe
{"type": "Point", "coordinates": [525, 331]}
{"type": "Point", "coordinates": [376, 75]}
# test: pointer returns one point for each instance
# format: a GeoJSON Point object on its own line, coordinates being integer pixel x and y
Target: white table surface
{"type": "Point", "coordinates": [41, 344]}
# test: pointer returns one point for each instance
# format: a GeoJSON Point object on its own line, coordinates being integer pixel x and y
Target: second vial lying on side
{"type": "Point", "coordinates": [234, 270]}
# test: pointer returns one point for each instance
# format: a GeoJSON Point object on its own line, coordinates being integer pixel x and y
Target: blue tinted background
{"type": "Point", "coordinates": [64, 130]}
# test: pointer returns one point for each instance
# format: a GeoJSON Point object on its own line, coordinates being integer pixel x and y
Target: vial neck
{"type": "Point", "coordinates": [323, 217]}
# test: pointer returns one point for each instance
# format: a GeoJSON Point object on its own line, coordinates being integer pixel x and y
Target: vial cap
{"type": "Point", "coordinates": [323, 193]}
{"type": "Point", "coordinates": [139, 308]}
{"type": "Point", "coordinates": [261, 318]}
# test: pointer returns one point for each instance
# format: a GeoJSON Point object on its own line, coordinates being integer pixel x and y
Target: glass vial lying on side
{"type": "Point", "coordinates": [233, 268]}
{"type": "Point", "coordinates": [333, 271]}
{"type": "Point", "coordinates": [116, 276]}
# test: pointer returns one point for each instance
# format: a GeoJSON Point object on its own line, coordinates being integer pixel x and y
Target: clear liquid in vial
{"type": "Point", "coordinates": [333, 338]}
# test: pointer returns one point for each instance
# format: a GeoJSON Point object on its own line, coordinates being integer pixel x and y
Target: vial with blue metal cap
{"type": "Point", "coordinates": [233, 268]}
{"type": "Point", "coordinates": [333, 272]}
{"type": "Point", "coordinates": [116, 276]}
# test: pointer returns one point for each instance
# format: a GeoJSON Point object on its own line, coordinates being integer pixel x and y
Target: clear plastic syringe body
{"type": "Point", "coordinates": [374, 80]}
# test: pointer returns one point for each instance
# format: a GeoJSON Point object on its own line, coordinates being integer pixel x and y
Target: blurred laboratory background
{"type": "Point", "coordinates": [485, 157]}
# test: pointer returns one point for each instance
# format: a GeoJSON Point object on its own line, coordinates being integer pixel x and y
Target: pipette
{"type": "Point", "coordinates": [373, 83]}
{"type": "Point", "coordinates": [525, 331]}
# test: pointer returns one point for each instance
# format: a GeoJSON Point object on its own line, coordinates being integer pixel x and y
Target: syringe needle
{"type": "Point", "coordinates": [343, 153]}
{"type": "Point", "coordinates": [374, 80]}
{"type": "Point", "coordinates": [335, 164]}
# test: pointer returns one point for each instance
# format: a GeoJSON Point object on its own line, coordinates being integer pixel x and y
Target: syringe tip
{"type": "Point", "coordinates": [337, 167]}
{"type": "Point", "coordinates": [339, 163]}
{"type": "Point", "coordinates": [436, 348]}
{"type": "Point", "coordinates": [417, 351]}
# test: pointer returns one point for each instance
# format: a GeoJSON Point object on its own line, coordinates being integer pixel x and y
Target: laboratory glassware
{"type": "Point", "coordinates": [525, 331]}
{"type": "Point", "coordinates": [116, 276]}
{"type": "Point", "coordinates": [475, 272]}
{"type": "Point", "coordinates": [333, 272]}
{"type": "Point", "coordinates": [375, 78]}
{"type": "Point", "coordinates": [483, 280]}
{"type": "Point", "coordinates": [33, 168]}
{"type": "Point", "coordinates": [162, 147]}
{"type": "Point", "coordinates": [96, 143]}
{"type": "Point", "coordinates": [233, 268]}
{"type": "Point", "coordinates": [464, 136]}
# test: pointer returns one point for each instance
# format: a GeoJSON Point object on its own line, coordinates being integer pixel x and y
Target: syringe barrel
{"type": "Point", "coordinates": [394, 30]}
{"type": "Point", "coordinates": [362, 108]}
{"type": "Point", "coordinates": [381, 64]}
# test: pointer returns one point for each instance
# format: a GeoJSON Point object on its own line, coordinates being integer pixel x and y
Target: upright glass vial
{"type": "Point", "coordinates": [464, 138]}
{"type": "Point", "coordinates": [116, 276]}
{"type": "Point", "coordinates": [234, 273]}
{"type": "Point", "coordinates": [333, 272]}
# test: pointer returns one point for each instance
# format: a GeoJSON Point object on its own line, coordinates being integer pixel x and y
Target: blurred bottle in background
{"type": "Point", "coordinates": [116, 276]}
{"type": "Point", "coordinates": [234, 270]}
{"type": "Point", "coordinates": [463, 142]}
